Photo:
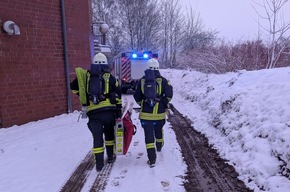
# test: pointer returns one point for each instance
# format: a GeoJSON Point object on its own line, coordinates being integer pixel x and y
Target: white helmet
{"type": "Point", "coordinates": [100, 58]}
{"type": "Point", "coordinates": [153, 64]}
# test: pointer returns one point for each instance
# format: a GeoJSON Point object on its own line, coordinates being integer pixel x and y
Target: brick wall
{"type": "Point", "coordinates": [33, 79]}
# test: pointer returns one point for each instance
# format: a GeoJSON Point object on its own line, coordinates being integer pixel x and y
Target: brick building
{"type": "Point", "coordinates": [37, 65]}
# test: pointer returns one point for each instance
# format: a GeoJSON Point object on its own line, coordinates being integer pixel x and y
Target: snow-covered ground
{"type": "Point", "coordinates": [245, 115]}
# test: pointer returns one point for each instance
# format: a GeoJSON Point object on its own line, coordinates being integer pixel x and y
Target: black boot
{"type": "Point", "coordinates": [151, 153]}
{"type": "Point", "coordinates": [110, 153]}
{"type": "Point", "coordinates": [151, 163]}
{"type": "Point", "coordinates": [158, 147]}
{"type": "Point", "coordinates": [112, 158]}
{"type": "Point", "coordinates": [99, 161]}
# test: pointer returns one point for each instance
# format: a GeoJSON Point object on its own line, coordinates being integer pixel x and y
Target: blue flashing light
{"type": "Point", "coordinates": [145, 56]}
{"type": "Point", "coordinates": [134, 55]}
{"type": "Point", "coordinates": [141, 55]}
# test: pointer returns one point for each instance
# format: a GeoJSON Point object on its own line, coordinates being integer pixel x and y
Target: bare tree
{"type": "Point", "coordinates": [195, 36]}
{"type": "Point", "coordinates": [140, 23]}
{"type": "Point", "coordinates": [277, 28]}
{"type": "Point", "coordinates": [152, 25]}
{"type": "Point", "coordinates": [133, 24]}
{"type": "Point", "coordinates": [172, 22]}
{"type": "Point", "coordinates": [101, 9]}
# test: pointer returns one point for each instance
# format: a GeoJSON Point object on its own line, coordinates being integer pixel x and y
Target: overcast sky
{"type": "Point", "coordinates": [234, 19]}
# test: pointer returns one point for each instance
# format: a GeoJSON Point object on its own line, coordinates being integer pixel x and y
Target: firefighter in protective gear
{"type": "Point", "coordinates": [103, 111]}
{"type": "Point", "coordinates": [152, 118]}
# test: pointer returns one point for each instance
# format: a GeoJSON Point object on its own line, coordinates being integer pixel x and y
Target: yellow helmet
{"type": "Point", "coordinates": [100, 58]}
{"type": "Point", "coordinates": [153, 64]}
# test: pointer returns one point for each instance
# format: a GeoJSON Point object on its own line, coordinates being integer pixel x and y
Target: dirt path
{"type": "Point", "coordinates": [79, 176]}
{"type": "Point", "coordinates": [78, 179]}
{"type": "Point", "coordinates": [206, 170]}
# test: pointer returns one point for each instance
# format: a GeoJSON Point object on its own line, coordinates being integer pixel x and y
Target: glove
{"type": "Point", "coordinates": [119, 112]}
{"type": "Point", "coordinates": [84, 112]}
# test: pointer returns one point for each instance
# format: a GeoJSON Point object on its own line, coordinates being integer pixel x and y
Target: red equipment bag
{"type": "Point", "coordinates": [129, 130]}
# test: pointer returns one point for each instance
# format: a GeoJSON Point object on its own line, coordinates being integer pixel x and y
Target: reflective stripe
{"type": "Point", "coordinates": [150, 116]}
{"type": "Point", "coordinates": [110, 143]}
{"type": "Point", "coordinates": [159, 87]}
{"type": "Point", "coordinates": [155, 108]}
{"type": "Point", "coordinates": [105, 103]}
{"type": "Point", "coordinates": [88, 82]}
{"type": "Point", "coordinates": [150, 146]}
{"type": "Point", "coordinates": [159, 140]}
{"type": "Point", "coordinates": [119, 101]}
{"type": "Point", "coordinates": [98, 150]}
{"type": "Point", "coordinates": [142, 85]}
{"type": "Point", "coordinates": [106, 78]}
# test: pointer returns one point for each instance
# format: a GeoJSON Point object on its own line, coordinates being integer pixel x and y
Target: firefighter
{"type": "Point", "coordinates": [152, 116]}
{"type": "Point", "coordinates": [102, 109]}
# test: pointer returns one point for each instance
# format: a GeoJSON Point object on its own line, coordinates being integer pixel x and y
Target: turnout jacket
{"type": "Point", "coordinates": [165, 94]}
{"type": "Point", "coordinates": [111, 91]}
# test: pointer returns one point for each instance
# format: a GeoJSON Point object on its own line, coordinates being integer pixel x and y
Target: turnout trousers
{"type": "Point", "coordinates": [101, 125]}
{"type": "Point", "coordinates": [153, 130]}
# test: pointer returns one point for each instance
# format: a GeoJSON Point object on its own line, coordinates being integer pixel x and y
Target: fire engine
{"type": "Point", "coordinates": [129, 67]}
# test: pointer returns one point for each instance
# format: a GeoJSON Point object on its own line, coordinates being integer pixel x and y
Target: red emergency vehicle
{"type": "Point", "coordinates": [129, 67]}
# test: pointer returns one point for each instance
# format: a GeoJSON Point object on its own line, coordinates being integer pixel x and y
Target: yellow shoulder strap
{"type": "Point", "coordinates": [106, 77]}
{"type": "Point", "coordinates": [159, 87]}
